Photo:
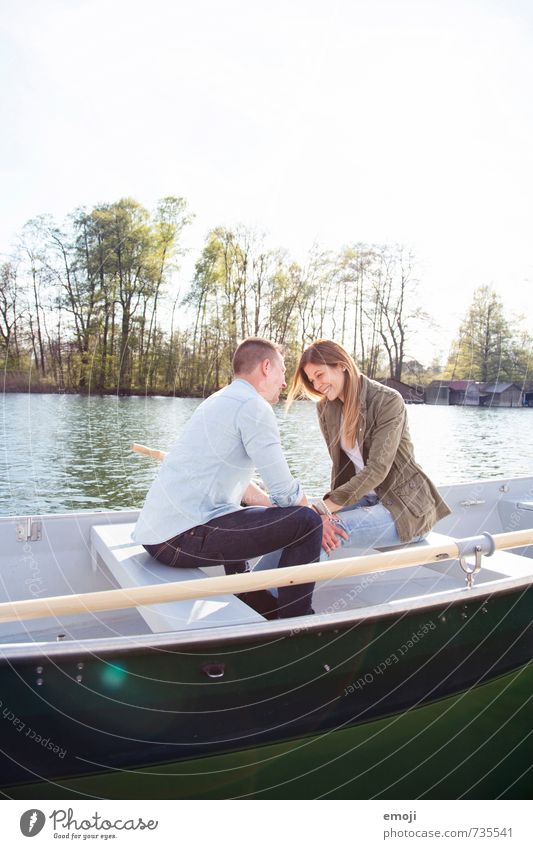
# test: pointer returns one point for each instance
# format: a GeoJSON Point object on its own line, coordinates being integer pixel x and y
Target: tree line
{"type": "Point", "coordinates": [96, 304]}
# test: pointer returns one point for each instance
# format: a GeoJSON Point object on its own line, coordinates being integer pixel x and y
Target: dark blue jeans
{"type": "Point", "coordinates": [251, 532]}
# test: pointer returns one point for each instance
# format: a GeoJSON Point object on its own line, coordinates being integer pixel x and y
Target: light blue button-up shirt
{"type": "Point", "coordinates": [209, 467]}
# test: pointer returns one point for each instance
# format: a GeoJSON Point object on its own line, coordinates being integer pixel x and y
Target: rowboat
{"type": "Point", "coordinates": [123, 678]}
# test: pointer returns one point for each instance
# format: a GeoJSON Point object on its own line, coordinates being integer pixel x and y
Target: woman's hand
{"type": "Point", "coordinates": [331, 534]}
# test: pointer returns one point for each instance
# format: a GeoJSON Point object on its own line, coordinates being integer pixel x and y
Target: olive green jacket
{"type": "Point", "coordinates": [390, 468]}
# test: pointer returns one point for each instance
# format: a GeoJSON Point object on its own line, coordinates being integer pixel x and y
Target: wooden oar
{"type": "Point", "coordinates": [414, 555]}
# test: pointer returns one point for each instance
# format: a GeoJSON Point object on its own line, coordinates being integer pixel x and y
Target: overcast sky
{"type": "Point", "coordinates": [335, 121]}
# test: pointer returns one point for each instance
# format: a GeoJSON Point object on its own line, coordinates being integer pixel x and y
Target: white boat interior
{"type": "Point", "coordinates": [86, 552]}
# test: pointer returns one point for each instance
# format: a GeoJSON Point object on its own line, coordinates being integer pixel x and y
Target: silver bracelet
{"type": "Point", "coordinates": [322, 508]}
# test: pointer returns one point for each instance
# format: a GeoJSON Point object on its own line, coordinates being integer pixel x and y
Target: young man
{"type": "Point", "coordinates": [193, 515]}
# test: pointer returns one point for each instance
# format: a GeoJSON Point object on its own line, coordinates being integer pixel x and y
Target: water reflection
{"type": "Point", "coordinates": [65, 453]}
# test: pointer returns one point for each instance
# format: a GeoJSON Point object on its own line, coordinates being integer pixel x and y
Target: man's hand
{"type": "Point", "coordinates": [331, 534]}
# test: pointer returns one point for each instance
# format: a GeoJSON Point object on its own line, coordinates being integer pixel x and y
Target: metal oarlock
{"type": "Point", "coordinates": [478, 546]}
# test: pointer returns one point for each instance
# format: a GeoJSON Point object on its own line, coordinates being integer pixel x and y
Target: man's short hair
{"type": "Point", "coordinates": [251, 352]}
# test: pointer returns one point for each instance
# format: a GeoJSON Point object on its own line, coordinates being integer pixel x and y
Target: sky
{"type": "Point", "coordinates": [330, 122]}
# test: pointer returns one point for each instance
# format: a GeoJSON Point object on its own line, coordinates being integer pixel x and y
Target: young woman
{"type": "Point", "coordinates": [385, 497]}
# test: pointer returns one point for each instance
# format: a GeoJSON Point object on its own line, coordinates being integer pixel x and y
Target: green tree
{"type": "Point", "coordinates": [168, 223]}
{"type": "Point", "coordinates": [483, 350]}
{"type": "Point", "coordinates": [10, 316]}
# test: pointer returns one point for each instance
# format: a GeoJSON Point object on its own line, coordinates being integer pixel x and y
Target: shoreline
{"type": "Point", "coordinates": [40, 389]}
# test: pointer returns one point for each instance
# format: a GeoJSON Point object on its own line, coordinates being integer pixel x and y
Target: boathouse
{"type": "Point", "coordinates": [410, 394]}
{"type": "Point", "coordinates": [438, 392]}
{"type": "Point", "coordinates": [465, 392]}
{"type": "Point", "coordinates": [500, 395]}
{"type": "Point", "coordinates": [527, 393]}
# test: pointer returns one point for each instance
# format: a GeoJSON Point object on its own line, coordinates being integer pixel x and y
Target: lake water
{"type": "Point", "coordinates": [64, 453]}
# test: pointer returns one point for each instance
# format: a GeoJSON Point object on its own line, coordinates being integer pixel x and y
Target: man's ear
{"type": "Point", "coordinates": [266, 365]}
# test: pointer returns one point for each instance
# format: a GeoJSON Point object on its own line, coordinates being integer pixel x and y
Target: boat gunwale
{"type": "Point", "coordinates": [223, 637]}
{"type": "Point", "coordinates": [134, 511]}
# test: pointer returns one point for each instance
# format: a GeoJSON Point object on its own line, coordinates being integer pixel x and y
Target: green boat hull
{"type": "Point", "coordinates": [373, 711]}
{"type": "Point", "coordinates": [474, 745]}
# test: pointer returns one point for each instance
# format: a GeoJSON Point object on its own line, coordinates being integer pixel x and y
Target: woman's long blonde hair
{"type": "Point", "coordinates": [325, 352]}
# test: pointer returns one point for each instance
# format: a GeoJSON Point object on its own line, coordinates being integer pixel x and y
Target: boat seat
{"type": "Point", "coordinates": [500, 564]}
{"type": "Point", "coordinates": [131, 566]}
{"type": "Point", "coordinates": [395, 585]}
{"type": "Point", "coordinates": [432, 538]}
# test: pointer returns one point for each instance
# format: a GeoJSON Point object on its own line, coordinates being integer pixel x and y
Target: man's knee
{"type": "Point", "coordinates": [309, 519]}
{"type": "Point", "coordinates": [301, 526]}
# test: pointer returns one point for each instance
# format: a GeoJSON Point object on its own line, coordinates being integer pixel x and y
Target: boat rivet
{"type": "Point", "coordinates": [327, 667]}
{"type": "Point", "coordinates": [443, 619]}
{"type": "Point", "coordinates": [464, 615]}
{"type": "Point", "coordinates": [484, 610]}
{"type": "Point", "coordinates": [39, 670]}
{"type": "Point", "coordinates": [79, 666]}
{"type": "Point", "coordinates": [39, 682]}
{"type": "Point", "coordinates": [79, 678]}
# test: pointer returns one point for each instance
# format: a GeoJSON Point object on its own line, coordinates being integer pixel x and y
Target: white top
{"type": "Point", "coordinates": [212, 462]}
{"type": "Point", "coordinates": [354, 454]}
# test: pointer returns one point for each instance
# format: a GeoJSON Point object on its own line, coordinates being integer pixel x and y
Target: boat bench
{"type": "Point", "coordinates": [504, 562]}
{"type": "Point", "coordinates": [131, 566]}
{"type": "Point", "coordinates": [395, 585]}
{"type": "Point", "coordinates": [432, 538]}
{"type": "Point", "coordinates": [325, 592]}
